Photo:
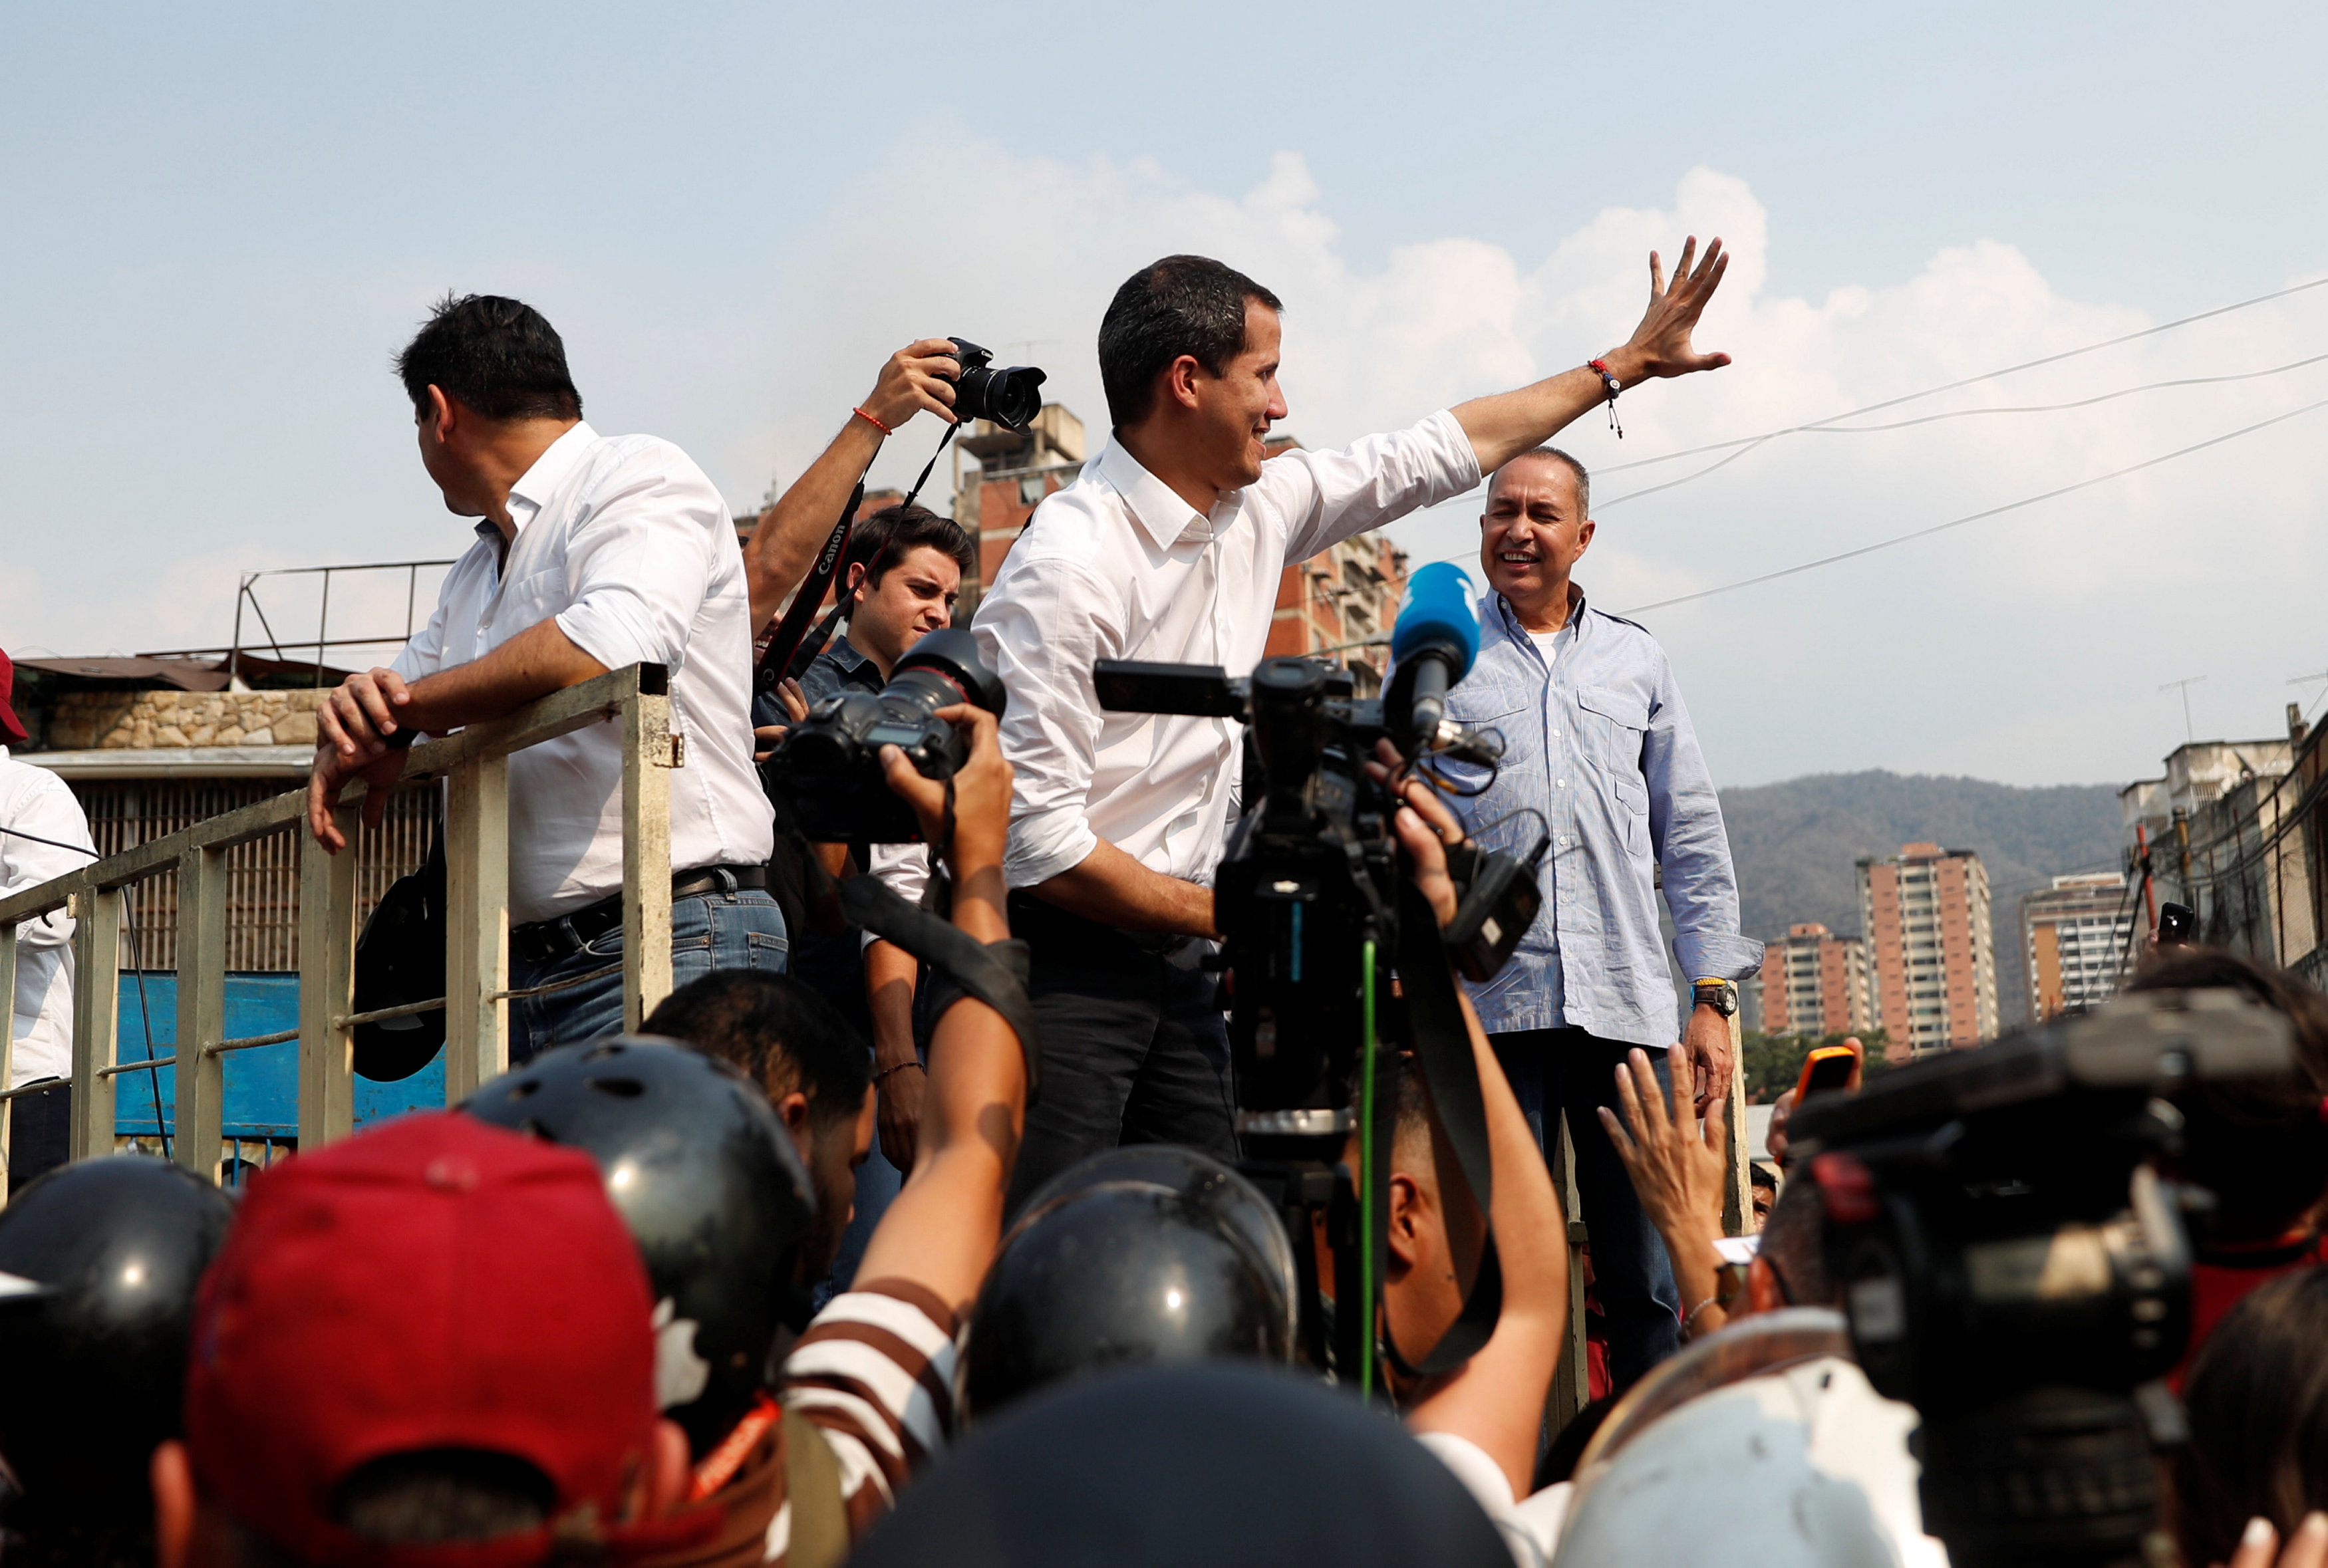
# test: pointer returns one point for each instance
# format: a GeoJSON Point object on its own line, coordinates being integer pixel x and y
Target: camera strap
{"type": "Point", "coordinates": [776, 663]}
{"type": "Point", "coordinates": [791, 649]}
{"type": "Point", "coordinates": [1441, 1043]}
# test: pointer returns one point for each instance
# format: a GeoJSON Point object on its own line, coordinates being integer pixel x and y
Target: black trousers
{"type": "Point", "coordinates": [40, 1134]}
{"type": "Point", "coordinates": [1556, 1070]}
{"type": "Point", "coordinates": [1135, 1049]}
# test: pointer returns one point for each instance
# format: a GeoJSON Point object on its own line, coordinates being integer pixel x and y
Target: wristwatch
{"type": "Point", "coordinates": [1720, 995]}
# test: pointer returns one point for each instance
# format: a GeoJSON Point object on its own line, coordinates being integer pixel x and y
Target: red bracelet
{"type": "Point", "coordinates": [870, 419]}
{"type": "Point", "coordinates": [1609, 383]}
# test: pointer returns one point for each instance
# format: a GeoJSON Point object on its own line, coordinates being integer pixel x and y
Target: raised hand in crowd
{"type": "Point", "coordinates": [918, 377]}
{"type": "Point", "coordinates": [1675, 1160]}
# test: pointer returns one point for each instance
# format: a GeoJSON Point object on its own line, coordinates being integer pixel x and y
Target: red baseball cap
{"type": "Point", "coordinates": [436, 1283]}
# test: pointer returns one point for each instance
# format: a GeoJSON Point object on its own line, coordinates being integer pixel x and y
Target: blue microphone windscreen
{"type": "Point", "coordinates": [1438, 608]}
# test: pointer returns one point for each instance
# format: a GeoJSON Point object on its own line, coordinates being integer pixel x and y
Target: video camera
{"type": "Point", "coordinates": [1308, 892]}
{"type": "Point", "coordinates": [2015, 1269]}
{"type": "Point", "coordinates": [827, 769]}
{"type": "Point", "coordinates": [1315, 907]}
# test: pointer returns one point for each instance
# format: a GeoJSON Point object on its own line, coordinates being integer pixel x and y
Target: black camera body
{"type": "Point", "coordinates": [2013, 1267]}
{"type": "Point", "coordinates": [827, 770]}
{"type": "Point", "coordinates": [1311, 876]}
{"type": "Point", "coordinates": [1010, 397]}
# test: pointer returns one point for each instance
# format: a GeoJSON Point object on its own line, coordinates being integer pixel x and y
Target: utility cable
{"type": "Point", "coordinates": [1971, 380]}
{"type": "Point", "coordinates": [1978, 516]}
{"type": "Point", "coordinates": [1832, 429]}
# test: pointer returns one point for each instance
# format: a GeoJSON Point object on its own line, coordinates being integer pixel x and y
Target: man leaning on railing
{"type": "Point", "coordinates": [593, 553]}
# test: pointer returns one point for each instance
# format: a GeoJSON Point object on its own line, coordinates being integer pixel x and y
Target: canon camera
{"type": "Point", "coordinates": [826, 771]}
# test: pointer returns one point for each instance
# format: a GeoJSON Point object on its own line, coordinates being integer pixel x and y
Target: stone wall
{"type": "Point", "coordinates": [89, 720]}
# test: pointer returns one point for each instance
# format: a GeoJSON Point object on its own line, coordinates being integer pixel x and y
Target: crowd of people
{"type": "Point", "coordinates": [849, 1255]}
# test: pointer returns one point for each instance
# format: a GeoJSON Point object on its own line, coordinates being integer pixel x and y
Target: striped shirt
{"type": "Point", "coordinates": [873, 1376]}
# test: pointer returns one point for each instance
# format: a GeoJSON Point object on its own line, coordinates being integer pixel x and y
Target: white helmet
{"type": "Point", "coordinates": [1762, 1446]}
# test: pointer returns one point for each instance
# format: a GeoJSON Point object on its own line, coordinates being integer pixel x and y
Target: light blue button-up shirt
{"type": "Point", "coordinates": [1597, 739]}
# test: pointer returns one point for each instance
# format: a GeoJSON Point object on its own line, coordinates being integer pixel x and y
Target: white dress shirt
{"type": "Point", "coordinates": [37, 801]}
{"type": "Point", "coordinates": [1117, 566]}
{"type": "Point", "coordinates": [625, 542]}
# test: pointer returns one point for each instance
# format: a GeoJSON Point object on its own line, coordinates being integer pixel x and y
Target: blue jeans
{"type": "Point", "coordinates": [1567, 1070]}
{"type": "Point", "coordinates": [743, 929]}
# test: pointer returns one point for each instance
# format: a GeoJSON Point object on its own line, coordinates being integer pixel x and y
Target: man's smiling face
{"type": "Point", "coordinates": [1533, 534]}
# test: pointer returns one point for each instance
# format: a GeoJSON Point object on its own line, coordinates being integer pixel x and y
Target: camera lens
{"type": "Point", "coordinates": [1013, 396]}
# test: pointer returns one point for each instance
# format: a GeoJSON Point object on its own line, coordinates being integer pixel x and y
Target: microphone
{"type": "Point", "coordinates": [1431, 646]}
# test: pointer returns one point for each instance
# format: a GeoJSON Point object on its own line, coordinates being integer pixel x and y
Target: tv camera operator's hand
{"type": "Point", "coordinates": [1675, 1164]}
{"type": "Point", "coordinates": [353, 731]}
{"type": "Point", "coordinates": [1426, 829]}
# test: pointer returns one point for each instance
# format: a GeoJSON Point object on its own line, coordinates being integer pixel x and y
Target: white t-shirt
{"type": "Point", "coordinates": [1546, 643]}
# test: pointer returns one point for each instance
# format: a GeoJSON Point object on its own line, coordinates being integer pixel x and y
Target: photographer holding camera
{"type": "Point", "coordinates": [1169, 547]}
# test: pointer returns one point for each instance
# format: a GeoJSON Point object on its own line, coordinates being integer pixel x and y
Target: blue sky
{"type": "Point", "coordinates": [220, 223]}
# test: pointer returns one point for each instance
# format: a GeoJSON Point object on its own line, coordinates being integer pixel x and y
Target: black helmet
{"type": "Point", "coordinates": [1149, 1252]}
{"type": "Point", "coordinates": [708, 1180]}
{"type": "Point", "coordinates": [1227, 1466]}
{"type": "Point", "coordinates": [103, 1257]}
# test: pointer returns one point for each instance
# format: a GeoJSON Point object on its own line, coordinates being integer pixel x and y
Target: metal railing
{"type": "Point", "coordinates": [474, 765]}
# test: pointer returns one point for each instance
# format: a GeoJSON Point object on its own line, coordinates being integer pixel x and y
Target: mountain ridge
{"type": "Point", "coordinates": [1795, 842]}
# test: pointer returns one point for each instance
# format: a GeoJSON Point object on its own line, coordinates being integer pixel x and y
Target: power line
{"type": "Point", "coordinates": [1978, 516]}
{"type": "Point", "coordinates": [1832, 429]}
{"type": "Point", "coordinates": [1971, 380]}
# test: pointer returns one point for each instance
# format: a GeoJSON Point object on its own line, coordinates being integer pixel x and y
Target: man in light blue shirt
{"type": "Point", "coordinates": [1601, 760]}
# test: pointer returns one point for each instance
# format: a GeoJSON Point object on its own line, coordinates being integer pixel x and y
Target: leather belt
{"type": "Point", "coordinates": [547, 941]}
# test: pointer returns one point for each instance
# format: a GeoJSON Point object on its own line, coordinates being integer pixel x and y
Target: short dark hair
{"type": "Point", "coordinates": [2258, 1399]}
{"type": "Point", "coordinates": [497, 356]}
{"type": "Point", "coordinates": [1182, 305]}
{"type": "Point", "coordinates": [2258, 1145]}
{"type": "Point", "coordinates": [890, 534]}
{"type": "Point", "coordinates": [433, 1496]}
{"type": "Point", "coordinates": [783, 1035]}
{"type": "Point", "coordinates": [1583, 480]}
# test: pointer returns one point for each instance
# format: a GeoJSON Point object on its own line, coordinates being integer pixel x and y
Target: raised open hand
{"type": "Point", "coordinates": [1660, 345]}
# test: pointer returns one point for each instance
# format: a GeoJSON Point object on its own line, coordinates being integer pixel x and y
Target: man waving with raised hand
{"type": "Point", "coordinates": [1169, 547]}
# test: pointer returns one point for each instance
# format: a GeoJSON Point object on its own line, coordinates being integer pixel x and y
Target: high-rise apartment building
{"type": "Point", "coordinates": [2076, 934]}
{"type": "Point", "coordinates": [1815, 982]}
{"type": "Point", "coordinates": [1931, 956]}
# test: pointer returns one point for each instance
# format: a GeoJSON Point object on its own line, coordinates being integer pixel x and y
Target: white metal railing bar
{"type": "Point", "coordinates": [475, 763]}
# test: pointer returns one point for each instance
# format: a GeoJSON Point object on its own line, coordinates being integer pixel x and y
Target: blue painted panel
{"type": "Point", "coordinates": [262, 1084]}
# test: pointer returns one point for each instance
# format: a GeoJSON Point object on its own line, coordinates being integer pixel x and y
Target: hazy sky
{"type": "Point", "coordinates": [216, 224]}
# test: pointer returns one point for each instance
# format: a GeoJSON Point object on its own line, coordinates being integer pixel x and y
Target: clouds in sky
{"type": "Point", "coordinates": [2028, 648]}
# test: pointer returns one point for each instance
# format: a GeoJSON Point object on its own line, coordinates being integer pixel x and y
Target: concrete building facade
{"type": "Point", "coordinates": [1815, 982]}
{"type": "Point", "coordinates": [2076, 936]}
{"type": "Point", "coordinates": [2233, 829]}
{"type": "Point", "coordinates": [1932, 955]}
